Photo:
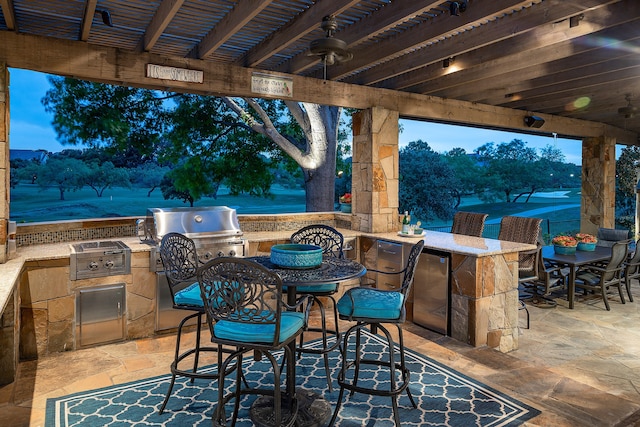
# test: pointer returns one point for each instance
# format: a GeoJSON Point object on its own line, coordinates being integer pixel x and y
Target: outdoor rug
{"type": "Point", "coordinates": [444, 397]}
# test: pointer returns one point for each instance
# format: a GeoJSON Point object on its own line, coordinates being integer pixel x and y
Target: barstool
{"type": "Point", "coordinates": [374, 307]}
{"type": "Point", "coordinates": [331, 241]}
{"type": "Point", "coordinates": [180, 260]}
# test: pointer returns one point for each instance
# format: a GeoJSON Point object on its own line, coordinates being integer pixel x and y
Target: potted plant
{"type": "Point", "coordinates": [564, 245]}
{"type": "Point", "coordinates": [586, 242]}
{"type": "Point", "coordinates": [345, 203]}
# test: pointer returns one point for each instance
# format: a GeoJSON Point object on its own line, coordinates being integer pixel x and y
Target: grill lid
{"type": "Point", "coordinates": [202, 222]}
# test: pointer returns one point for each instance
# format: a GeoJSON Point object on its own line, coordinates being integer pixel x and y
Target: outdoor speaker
{"type": "Point", "coordinates": [533, 121]}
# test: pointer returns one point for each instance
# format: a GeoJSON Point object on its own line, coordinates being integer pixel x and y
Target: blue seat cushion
{"type": "Point", "coordinates": [326, 287]}
{"type": "Point", "coordinates": [189, 296]}
{"type": "Point", "coordinates": [371, 303]}
{"type": "Point", "coordinates": [291, 322]}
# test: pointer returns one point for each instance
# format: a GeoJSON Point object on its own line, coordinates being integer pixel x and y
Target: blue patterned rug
{"type": "Point", "coordinates": [444, 396]}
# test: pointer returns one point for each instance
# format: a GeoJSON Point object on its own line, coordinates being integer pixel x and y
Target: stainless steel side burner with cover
{"type": "Point", "coordinates": [215, 231]}
{"type": "Point", "coordinates": [99, 259]}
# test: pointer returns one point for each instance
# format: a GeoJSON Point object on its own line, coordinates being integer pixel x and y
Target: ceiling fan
{"type": "Point", "coordinates": [629, 111]}
{"type": "Point", "coordinates": [330, 49]}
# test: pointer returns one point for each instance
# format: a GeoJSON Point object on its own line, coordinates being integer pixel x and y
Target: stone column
{"type": "Point", "coordinates": [598, 184]}
{"type": "Point", "coordinates": [375, 171]}
{"type": "Point", "coordinates": [4, 160]}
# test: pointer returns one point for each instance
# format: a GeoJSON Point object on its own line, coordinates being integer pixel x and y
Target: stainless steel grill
{"type": "Point", "coordinates": [215, 231]}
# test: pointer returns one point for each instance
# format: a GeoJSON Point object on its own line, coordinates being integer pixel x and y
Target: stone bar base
{"type": "Point", "coordinates": [484, 300]}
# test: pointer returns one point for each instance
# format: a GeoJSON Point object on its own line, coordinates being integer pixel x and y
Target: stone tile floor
{"type": "Point", "coordinates": [580, 367]}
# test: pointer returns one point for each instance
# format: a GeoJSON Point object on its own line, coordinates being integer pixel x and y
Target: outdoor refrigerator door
{"type": "Point", "coordinates": [431, 292]}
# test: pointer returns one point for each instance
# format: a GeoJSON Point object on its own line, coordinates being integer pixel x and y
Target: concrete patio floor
{"type": "Point", "coordinates": [578, 367]}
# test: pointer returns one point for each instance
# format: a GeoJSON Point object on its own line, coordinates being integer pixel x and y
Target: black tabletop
{"type": "Point", "coordinates": [331, 270]}
{"type": "Point", "coordinates": [601, 253]}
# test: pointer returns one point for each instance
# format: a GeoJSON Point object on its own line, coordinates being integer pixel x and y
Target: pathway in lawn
{"type": "Point", "coordinates": [536, 212]}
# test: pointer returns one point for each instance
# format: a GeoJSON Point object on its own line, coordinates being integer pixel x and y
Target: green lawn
{"type": "Point", "coordinates": [30, 204]}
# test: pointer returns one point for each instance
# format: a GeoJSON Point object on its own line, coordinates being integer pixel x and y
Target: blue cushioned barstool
{"type": "Point", "coordinates": [180, 260]}
{"type": "Point", "coordinates": [332, 242]}
{"type": "Point", "coordinates": [375, 307]}
{"type": "Point", "coordinates": [245, 309]}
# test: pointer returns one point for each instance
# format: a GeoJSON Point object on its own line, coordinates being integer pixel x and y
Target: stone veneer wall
{"type": "Point", "coordinates": [598, 184]}
{"type": "Point", "coordinates": [101, 229]}
{"type": "Point", "coordinates": [484, 301]}
{"type": "Point", "coordinates": [4, 160]}
{"type": "Point", "coordinates": [375, 170]}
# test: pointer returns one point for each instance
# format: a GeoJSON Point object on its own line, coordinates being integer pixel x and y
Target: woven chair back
{"type": "Point", "coordinates": [468, 223]}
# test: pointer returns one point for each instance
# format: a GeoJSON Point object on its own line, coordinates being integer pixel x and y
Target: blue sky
{"type": "Point", "coordinates": [31, 125]}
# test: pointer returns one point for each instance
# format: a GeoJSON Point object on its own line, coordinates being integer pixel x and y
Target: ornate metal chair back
{"type": "Point", "coordinates": [328, 238]}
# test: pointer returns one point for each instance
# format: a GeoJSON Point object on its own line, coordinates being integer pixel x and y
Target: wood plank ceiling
{"type": "Point", "coordinates": [572, 58]}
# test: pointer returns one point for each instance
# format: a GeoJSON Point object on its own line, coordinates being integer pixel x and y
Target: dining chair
{"type": "Point", "coordinates": [332, 243]}
{"type": "Point", "coordinates": [550, 277]}
{"type": "Point", "coordinates": [632, 270]}
{"type": "Point", "coordinates": [373, 307]}
{"type": "Point", "coordinates": [468, 223]}
{"type": "Point", "coordinates": [180, 259]}
{"type": "Point", "coordinates": [245, 310]}
{"type": "Point", "coordinates": [608, 236]}
{"type": "Point", "coordinates": [596, 278]}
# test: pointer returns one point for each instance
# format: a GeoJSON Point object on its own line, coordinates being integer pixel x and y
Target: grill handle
{"type": "Point", "coordinates": [117, 251]}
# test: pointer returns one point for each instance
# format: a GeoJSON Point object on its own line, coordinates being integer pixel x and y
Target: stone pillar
{"type": "Point", "coordinates": [375, 168]}
{"type": "Point", "coordinates": [4, 160]}
{"type": "Point", "coordinates": [598, 184]}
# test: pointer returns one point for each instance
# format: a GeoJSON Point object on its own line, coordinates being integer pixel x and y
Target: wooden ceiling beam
{"type": "Point", "coordinates": [385, 18]}
{"type": "Point", "coordinates": [389, 52]}
{"type": "Point", "coordinates": [125, 67]}
{"type": "Point", "coordinates": [161, 19]}
{"type": "Point", "coordinates": [501, 29]}
{"type": "Point", "coordinates": [531, 50]}
{"type": "Point", "coordinates": [242, 13]}
{"type": "Point", "coordinates": [87, 19]}
{"type": "Point", "coordinates": [302, 25]}
{"type": "Point", "coordinates": [9, 14]}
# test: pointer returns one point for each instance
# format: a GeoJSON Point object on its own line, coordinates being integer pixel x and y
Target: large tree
{"type": "Point", "coordinates": [228, 137]}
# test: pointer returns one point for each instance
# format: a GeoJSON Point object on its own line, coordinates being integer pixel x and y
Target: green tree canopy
{"type": "Point", "coordinates": [427, 183]}
{"type": "Point", "coordinates": [63, 173]}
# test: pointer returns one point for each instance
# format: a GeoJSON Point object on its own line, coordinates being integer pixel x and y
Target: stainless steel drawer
{"type": "Point", "coordinates": [390, 251]}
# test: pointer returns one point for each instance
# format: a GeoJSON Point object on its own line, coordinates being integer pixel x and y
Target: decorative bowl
{"type": "Point", "coordinates": [418, 230]}
{"type": "Point", "coordinates": [295, 255]}
{"type": "Point", "coordinates": [564, 250]}
{"type": "Point", "coordinates": [588, 247]}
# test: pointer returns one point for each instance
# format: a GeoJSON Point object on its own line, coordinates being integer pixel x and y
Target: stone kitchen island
{"type": "Point", "coordinates": [484, 286]}
{"type": "Point", "coordinates": [484, 295]}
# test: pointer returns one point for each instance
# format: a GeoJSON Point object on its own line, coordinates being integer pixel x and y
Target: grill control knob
{"type": "Point", "coordinates": [109, 264]}
{"type": "Point", "coordinates": [93, 265]}
{"type": "Point", "coordinates": [232, 253]}
{"type": "Point", "coordinates": [220, 253]}
{"type": "Point", "coordinates": [208, 255]}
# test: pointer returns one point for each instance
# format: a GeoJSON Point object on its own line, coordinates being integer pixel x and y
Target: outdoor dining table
{"type": "Point", "coordinates": [313, 409]}
{"type": "Point", "coordinates": [574, 261]}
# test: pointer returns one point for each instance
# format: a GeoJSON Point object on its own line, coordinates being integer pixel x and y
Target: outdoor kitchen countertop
{"type": "Point", "coordinates": [447, 242]}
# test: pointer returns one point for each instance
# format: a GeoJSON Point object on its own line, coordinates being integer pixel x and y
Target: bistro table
{"type": "Point", "coordinates": [313, 409]}
{"type": "Point", "coordinates": [579, 259]}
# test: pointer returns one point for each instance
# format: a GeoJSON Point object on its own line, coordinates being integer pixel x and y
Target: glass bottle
{"type": "Point", "coordinates": [405, 223]}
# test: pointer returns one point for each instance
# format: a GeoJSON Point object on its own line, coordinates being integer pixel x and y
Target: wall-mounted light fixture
{"type": "Point", "coordinates": [447, 61]}
{"type": "Point", "coordinates": [106, 17]}
{"type": "Point", "coordinates": [533, 121]}
{"type": "Point", "coordinates": [457, 7]}
{"type": "Point", "coordinates": [574, 21]}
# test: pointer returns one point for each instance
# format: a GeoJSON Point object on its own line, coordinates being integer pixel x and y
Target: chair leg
{"type": "Point", "coordinates": [627, 283]}
{"type": "Point", "coordinates": [324, 330]}
{"type": "Point", "coordinates": [394, 388]}
{"type": "Point", "coordinates": [523, 306]}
